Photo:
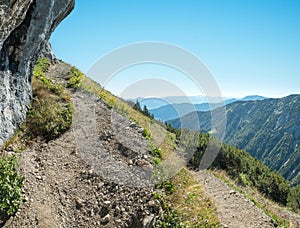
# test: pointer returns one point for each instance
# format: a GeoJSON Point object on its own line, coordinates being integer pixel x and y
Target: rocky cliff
{"type": "Point", "coordinates": [25, 28]}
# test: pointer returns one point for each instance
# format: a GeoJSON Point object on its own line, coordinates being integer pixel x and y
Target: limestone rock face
{"type": "Point", "coordinates": [25, 29]}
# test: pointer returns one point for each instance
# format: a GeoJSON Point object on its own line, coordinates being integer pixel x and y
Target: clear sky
{"type": "Point", "coordinates": [250, 47]}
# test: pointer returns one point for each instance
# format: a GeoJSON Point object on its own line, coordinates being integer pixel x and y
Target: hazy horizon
{"type": "Point", "coordinates": [133, 98]}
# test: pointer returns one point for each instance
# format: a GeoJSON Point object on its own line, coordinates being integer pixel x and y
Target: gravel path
{"type": "Point", "coordinates": [233, 209]}
{"type": "Point", "coordinates": [110, 144]}
{"type": "Point", "coordinates": [90, 176]}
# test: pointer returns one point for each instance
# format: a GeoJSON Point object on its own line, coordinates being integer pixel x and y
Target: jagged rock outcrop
{"type": "Point", "coordinates": [25, 29]}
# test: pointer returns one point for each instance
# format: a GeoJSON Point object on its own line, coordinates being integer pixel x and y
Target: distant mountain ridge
{"type": "Point", "coordinates": [176, 110]}
{"type": "Point", "coordinates": [253, 98]}
{"type": "Point", "coordinates": [173, 111]}
{"type": "Point", "coordinates": [268, 129]}
{"type": "Point", "coordinates": [157, 102]}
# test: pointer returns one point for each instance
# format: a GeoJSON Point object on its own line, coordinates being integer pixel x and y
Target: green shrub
{"type": "Point", "coordinates": [10, 186]}
{"type": "Point", "coordinates": [49, 119]}
{"type": "Point", "coordinates": [41, 67]}
{"type": "Point", "coordinates": [155, 161]}
{"type": "Point", "coordinates": [76, 77]}
{"type": "Point", "coordinates": [156, 152]}
{"type": "Point", "coordinates": [168, 187]}
{"type": "Point", "coordinates": [146, 134]}
{"type": "Point", "coordinates": [170, 216]}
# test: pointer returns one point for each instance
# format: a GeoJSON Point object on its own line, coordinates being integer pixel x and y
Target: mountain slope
{"type": "Point", "coordinates": [253, 98]}
{"type": "Point", "coordinates": [94, 174]}
{"type": "Point", "coordinates": [86, 176]}
{"type": "Point", "coordinates": [269, 130]}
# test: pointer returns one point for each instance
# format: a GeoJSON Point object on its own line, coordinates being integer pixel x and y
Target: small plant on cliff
{"type": "Point", "coordinates": [10, 186]}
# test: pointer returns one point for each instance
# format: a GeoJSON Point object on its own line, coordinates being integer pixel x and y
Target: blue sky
{"type": "Point", "coordinates": [250, 47]}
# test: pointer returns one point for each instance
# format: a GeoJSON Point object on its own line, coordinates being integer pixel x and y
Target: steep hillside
{"type": "Point", "coordinates": [268, 129]}
{"type": "Point", "coordinates": [83, 157]}
{"type": "Point", "coordinates": [94, 170]}
{"type": "Point", "coordinates": [243, 170]}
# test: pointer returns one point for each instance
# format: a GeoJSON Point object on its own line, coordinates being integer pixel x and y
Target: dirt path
{"type": "Point", "coordinates": [233, 209]}
{"type": "Point", "coordinates": [112, 145]}
{"type": "Point", "coordinates": [90, 176]}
